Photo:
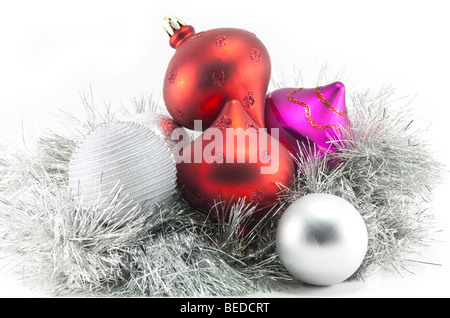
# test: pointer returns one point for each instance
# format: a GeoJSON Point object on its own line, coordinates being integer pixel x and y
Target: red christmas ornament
{"type": "Point", "coordinates": [234, 159]}
{"type": "Point", "coordinates": [211, 67]}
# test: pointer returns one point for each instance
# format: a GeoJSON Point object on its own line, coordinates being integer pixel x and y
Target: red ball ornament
{"type": "Point", "coordinates": [232, 159]}
{"type": "Point", "coordinates": [212, 67]}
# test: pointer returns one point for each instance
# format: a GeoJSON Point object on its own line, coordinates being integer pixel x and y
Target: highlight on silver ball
{"type": "Point", "coordinates": [321, 239]}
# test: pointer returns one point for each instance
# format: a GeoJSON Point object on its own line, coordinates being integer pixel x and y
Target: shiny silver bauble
{"type": "Point", "coordinates": [321, 239]}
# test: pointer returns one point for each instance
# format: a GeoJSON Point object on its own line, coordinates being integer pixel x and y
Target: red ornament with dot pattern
{"type": "Point", "coordinates": [212, 67]}
{"type": "Point", "coordinates": [221, 176]}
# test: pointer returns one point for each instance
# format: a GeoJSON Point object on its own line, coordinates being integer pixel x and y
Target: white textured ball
{"type": "Point", "coordinates": [321, 239]}
{"type": "Point", "coordinates": [120, 165]}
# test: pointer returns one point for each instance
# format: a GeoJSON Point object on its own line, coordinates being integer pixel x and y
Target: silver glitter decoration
{"type": "Point", "coordinates": [386, 171]}
{"type": "Point", "coordinates": [122, 164]}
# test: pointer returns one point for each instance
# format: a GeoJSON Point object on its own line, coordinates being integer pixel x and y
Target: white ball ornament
{"type": "Point", "coordinates": [122, 165]}
{"type": "Point", "coordinates": [321, 239]}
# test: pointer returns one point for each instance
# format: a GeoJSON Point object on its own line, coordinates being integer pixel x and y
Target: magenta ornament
{"type": "Point", "coordinates": [312, 116]}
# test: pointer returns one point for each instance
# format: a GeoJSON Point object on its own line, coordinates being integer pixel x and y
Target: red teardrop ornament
{"type": "Point", "coordinates": [234, 159]}
{"type": "Point", "coordinates": [211, 67]}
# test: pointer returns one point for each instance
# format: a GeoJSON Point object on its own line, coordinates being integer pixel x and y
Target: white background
{"type": "Point", "coordinates": [51, 51]}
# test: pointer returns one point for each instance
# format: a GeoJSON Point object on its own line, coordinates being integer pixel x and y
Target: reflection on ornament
{"type": "Point", "coordinates": [211, 67]}
{"type": "Point", "coordinates": [321, 239]}
{"type": "Point", "coordinates": [121, 165]}
{"type": "Point", "coordinates": [240, 161]}
{"type": "Point", "coordinates": [312, 116]}
{"type": "Point", "coordinates": [163, 126]}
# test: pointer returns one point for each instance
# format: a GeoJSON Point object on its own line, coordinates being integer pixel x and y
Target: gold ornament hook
{"type": "Point", "coordinates": [172, 23]}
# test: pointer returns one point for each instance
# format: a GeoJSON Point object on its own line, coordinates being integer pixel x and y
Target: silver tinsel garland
{"type": "Point", "coordinates": [385, 169]}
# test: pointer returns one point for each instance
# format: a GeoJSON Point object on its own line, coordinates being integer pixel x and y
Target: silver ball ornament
{"type": "Point", "coordinates": [121, 165]}
{"type": "Point", "coordinates": [321, 239]}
